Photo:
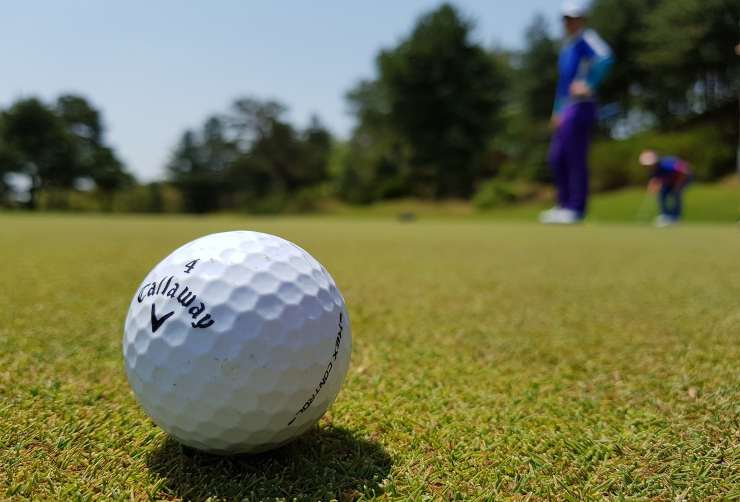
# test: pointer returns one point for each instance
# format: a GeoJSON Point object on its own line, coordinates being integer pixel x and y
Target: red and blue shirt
{"type": "Point", "coordinates": [669, 169]}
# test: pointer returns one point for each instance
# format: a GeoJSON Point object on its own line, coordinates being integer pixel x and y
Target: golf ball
{"type": "Point", "coordinates": [237, 342]}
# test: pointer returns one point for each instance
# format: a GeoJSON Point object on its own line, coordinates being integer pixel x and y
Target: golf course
{"type": "Point", "coordinates": [492, 359]}
{"type": "Point", "coordinates": [431, 250]}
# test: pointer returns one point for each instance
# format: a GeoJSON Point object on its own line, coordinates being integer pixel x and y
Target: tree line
{"type": "Point", "coordinates": [441, 117]}
{"type": "Point", "coordinates": [57, 146]}
{"type": "Point", "coordinates": [249, 157]}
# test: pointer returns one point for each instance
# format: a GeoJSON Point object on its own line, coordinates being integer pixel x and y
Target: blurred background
{"type": "Point", "coordinates": [267, 108]}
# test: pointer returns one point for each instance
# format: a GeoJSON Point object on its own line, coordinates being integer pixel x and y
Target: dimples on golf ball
{"type": "Point", "coordinates": [237, 342]}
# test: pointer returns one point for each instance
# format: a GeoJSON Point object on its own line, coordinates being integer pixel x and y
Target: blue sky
{"type": "Point", "coordinates": [157, 67]}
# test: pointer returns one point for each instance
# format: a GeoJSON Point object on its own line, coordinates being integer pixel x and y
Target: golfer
{"type": "Point", "coordinates": [584, 61]}
{"type": "Point", "coordinates": [668, 179]}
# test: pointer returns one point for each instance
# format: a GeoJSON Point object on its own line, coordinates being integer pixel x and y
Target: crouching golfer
{"type": "Point", "coordinates": [584, 61]}
{"type": "Point", "coordinates": [668, 179]}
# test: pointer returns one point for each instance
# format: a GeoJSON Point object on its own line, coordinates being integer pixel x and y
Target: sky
{"type": "Point", "coordinates": [155, 68]}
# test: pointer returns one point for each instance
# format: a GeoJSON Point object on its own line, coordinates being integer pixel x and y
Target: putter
{"type": "Point", "coordinates": [645, 206]}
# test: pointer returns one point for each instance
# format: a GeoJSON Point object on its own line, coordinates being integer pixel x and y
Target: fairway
{"type": "Point", "coordinates": [490, 360]}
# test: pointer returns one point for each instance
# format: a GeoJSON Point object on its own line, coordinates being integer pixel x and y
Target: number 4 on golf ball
{"type": "Point", "coordinates": [237, 342]}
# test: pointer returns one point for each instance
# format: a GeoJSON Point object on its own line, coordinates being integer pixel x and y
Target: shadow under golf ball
{"type": "Point", "coordinates": [326, 462]}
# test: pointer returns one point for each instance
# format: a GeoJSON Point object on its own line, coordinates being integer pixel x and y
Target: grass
{"type": "Point", "coordinates": [715, 203]}
{"type": "Point", "coordinates": [704, 203]}
{"type": "Point", "coordinates": [718, 203]}
{"type": "Point", "coordinates": [491, 360]}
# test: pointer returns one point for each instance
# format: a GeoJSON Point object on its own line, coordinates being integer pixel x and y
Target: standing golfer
{"type": "Point", "coordinates": [669, 177]}
{"type": "Point", "coordinates": [584, 61]}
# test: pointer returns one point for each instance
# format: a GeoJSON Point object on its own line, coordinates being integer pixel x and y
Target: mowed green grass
{"type": "Point", "coordinates": [703, 203]}
{"type": "Point", "coordinates": [491, 360]}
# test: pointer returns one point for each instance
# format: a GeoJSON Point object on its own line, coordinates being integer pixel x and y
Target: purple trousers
{"type": "Point", "coordinates": [569, 155]}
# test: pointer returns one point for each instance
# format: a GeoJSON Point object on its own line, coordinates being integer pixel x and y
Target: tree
{"type": "Point", "coordinates": [250, 157]}
{"type": "Point", "coordinates": [191, 173]}
{"type": "Point", "coordinates": [376, 163]}
{"type": "Point", "coordinates": [622, 24]}
{"type": "Point", "coordinates": [81, 118]}
{"type": "Point", "coordinates": [737, 158]}
{"type": "Point", "coordinates": [109, 175]}
{"type": "Point", "coordinates": [538, 71]}
{"type": "Point", "coordinates": [317, 145]}
{"type": "Point", "coordinates": [94, 158]}
{"type": "Point", "coordinates": [40, 146]}
{"type": "Point", "coordinates": [688, 55]}
{"type": "Point", "coordinates": [253, 120]}
{"type": "Point", "coordinates": [276, 159]}
{"type": "Point", "coordinates": [443, 94]}
{"type": "Point", "coordinates": [8, 161]}
{"type": "Point", "coordinates": [57, 145]}
{"type": "Point", "coordinates": [532, 78]}
{"type": "Point", "coordinates": [268, 147]}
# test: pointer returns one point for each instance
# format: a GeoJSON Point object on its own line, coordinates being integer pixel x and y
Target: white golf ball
{"type": "Point", "coordinates": [237, 342]}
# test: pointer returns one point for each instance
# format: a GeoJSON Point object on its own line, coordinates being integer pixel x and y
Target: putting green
{"type": "Point", "coordinates": [490, 360]}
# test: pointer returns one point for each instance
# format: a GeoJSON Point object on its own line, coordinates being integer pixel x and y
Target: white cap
{"type": "Point", "coordinates": [573, 8]}
{"type": "Point", "coordinates": [648, 158]}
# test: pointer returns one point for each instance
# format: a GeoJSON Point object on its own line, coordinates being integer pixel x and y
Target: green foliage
{"type": "Point", "coordinates": [623, 23]}
{"type": "Point", "coordinates": [370, 173]}
{"type": "Point", "coordinates": [39, 145]}
{"type": "Point", "coordinates": [674, 57]}
{"type": "Point", "coordinates": [498, 192]}
{"type": "Point", "coordinates": [308, 199]}
{"type": "Point", "coordinates": [524, 144]}
{"type": "Point", "coordinates": [58, 145]}
{"type": "Point", "coordinates": [197, 166]}
{"type": "Point", "coordinates": [690, 42]}
{"type": "Point", "coordinates": [491, 361]}
{"type": "Point", "coordinates": [149, 198]}
{"type": "Point", "coordinates": [153, 197]}
{"type": "Point", "coordinates": [82, 119]}
{"type": "Point", "coordinates": [425, 123]}
{"type": "Point", "coordinates": [375, 162]}
{"type": "Point", "coordinates": [250, 159]}
{"type": "Point", "coordinates": [537, 74]}
{"type": "Point", "coordinates": [444, 94]}
{"type": "Point", "coordinates": [520, 145]}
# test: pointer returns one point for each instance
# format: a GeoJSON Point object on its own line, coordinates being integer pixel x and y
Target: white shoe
{"type": "Point", "coordinates": [549, 215]}
{"type": "Point", "coordinates": [560, 216]}
{"type": "Point", "coordinates": [663, 221]}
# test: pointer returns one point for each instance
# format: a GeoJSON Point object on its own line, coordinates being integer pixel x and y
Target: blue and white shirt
{"type": "Point", "coordinates": [584, 56]}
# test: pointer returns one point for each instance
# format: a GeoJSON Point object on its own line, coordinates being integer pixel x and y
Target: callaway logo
{"type": "Point", "coordinates": [157, 322]}
{"type": "Point", "coordinates": [185, 297]}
